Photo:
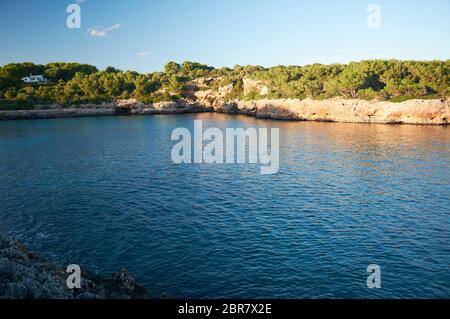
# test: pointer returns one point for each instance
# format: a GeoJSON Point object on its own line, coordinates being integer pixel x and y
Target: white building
{"type": "Point", "coordinates": [34, 79]}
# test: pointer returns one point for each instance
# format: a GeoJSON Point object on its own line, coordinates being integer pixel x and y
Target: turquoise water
{"type": "Point", "coordinates": [104, 193]}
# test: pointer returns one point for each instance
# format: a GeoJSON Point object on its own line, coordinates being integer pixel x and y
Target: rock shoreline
{"type": "Point", "coordinates": [426, 112]}
{"type": "Point", "coordinates": [26, 275]}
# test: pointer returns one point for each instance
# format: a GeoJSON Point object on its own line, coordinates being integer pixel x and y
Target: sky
{"type": "Point", "coordinates": [143, 35]}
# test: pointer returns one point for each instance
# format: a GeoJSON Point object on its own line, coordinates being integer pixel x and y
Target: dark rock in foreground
{"type": "Point", "coordinates": [25, 275]}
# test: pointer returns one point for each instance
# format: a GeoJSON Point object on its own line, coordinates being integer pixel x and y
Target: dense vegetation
{"type": "Point", "coordinates": [74, 83]}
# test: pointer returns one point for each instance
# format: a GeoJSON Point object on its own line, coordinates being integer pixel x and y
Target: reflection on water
{"type": "Point", "coordinates": [104, 193]}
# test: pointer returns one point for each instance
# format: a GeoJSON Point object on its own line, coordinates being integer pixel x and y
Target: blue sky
{"type": "Point", "coordinates": [143, 35]}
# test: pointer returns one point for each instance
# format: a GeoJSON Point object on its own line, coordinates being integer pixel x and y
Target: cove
{"type": "Point", "coordinates": [104, 193]}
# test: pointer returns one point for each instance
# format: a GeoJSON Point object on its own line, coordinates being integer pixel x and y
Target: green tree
{"type": "Point", "coordinates": [172, 68]}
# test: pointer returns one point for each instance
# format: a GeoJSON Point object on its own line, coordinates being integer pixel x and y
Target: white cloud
{"type": "Point", "coordinates": [114, 27]}
{"type": "Point", "coordinates": [97, 33]}
{"type": "Point", "coordinates": [100, 33]}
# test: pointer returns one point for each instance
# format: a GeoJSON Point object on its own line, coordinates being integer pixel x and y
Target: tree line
{"type": "Point", "coordinates": [75, 83]}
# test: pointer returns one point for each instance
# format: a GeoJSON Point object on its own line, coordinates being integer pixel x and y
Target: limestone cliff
{"type": "Point", "coordinates": [433, 111]}
{"type": "Point", "coordinates": [436, 112]}
{"type": "Point", "coordinates": [430, 112]}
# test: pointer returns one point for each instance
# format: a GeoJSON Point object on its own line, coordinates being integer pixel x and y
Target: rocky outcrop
{"type": "Point", "coordinates": [121, 107]}
{"type": "Point", "coordinates": [430, 112]}
{"type": "Point", "coordinates": [25, 275]}
{"type": "Point", "coordinates": [54, 113]}
{"type": "Point", "coordinates": [214, 99]}
{"type": "Point", "coordinates": [251, 85]}
{"type": "Point", "coordinates": [182, 106]}
{"type": "Point", "coordinates": [433, 112]}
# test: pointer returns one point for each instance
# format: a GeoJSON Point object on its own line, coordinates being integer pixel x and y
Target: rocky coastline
{"type": "Point", "coordinates": [26, 275]}
{"type": "Point", "coordinates": [424, 112]}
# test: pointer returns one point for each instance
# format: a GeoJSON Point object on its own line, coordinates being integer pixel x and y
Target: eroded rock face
{"type": "Point", "coordinates": [430, 112]}
{"type": "Point", "coordinates": [251, 85]}
{"type": "Point", "coordinates": [25, 275]}
{"type": "Point", "coordinates": [55, 113]}
{"type": "Point", "coordinates": [435, 112]}
{"type": "Point", "coordinates": [213, 99]}
{"type": "Point", "coordinates": [129, 104]}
